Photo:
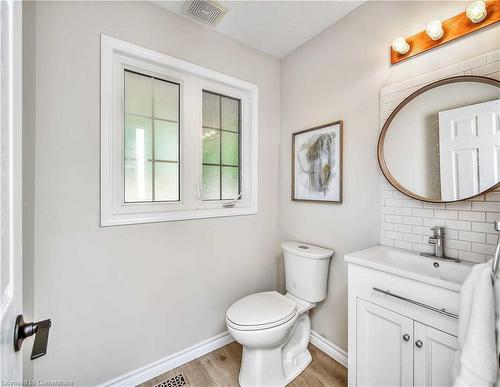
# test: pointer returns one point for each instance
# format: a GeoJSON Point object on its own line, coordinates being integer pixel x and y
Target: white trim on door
{"type": "Point", "coordinates": [10, 185]}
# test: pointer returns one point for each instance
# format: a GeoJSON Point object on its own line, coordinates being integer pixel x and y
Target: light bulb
{"type": "Point", "coordinates": [435, 30]}
{"type": "Point", "coordinates": [476, 12]}
{"type": "Point", "coordinates": [401, 46]}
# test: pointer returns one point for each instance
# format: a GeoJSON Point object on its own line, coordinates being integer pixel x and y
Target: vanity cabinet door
{"type": "Point", "coordinates": [434, 355]}
{"type": "Point", "coordinates": [384, 346]}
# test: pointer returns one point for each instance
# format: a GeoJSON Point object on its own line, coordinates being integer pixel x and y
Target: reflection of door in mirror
{"type": "Point", "coordinates": [469, 147]}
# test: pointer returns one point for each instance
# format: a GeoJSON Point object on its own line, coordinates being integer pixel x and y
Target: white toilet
{"type": "Point", "coordinates": [274, 329]}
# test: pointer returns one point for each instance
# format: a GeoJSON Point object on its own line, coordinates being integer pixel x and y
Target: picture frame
{"type": "Point", "coordinates": [317, 158]}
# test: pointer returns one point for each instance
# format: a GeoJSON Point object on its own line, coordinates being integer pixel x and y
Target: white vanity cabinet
{"type": "Point", "coordinates": [383, 358]}
{"type": "Point", "coordinates": [394, 350]}
{"type": "Point", "coordinates": [402, 318]}
{"type": "Point", "coordinates": [433, 361]}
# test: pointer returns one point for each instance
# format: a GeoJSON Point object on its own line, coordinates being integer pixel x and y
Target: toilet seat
{"type": "Point", "coordinates": [261, 311]}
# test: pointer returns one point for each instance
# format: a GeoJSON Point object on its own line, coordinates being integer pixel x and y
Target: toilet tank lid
{"type": "Point", "coordinates": [306, 250]}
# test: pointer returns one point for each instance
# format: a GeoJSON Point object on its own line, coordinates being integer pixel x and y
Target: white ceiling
{"type": "Point", "coordinates": [274, 27]}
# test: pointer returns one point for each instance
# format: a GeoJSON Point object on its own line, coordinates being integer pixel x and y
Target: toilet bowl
{"type": "Point", "coordinates": [274, 329]}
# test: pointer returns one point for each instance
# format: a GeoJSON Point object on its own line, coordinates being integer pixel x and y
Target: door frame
{"type": "Point", "coordinates": [10, 183]}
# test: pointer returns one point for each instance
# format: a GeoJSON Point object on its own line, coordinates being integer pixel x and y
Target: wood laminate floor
{"type": "Point", "coordinates": [220, 368]}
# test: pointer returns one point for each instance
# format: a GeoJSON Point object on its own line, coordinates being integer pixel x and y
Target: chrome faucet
{"type": "Point", "coordinates": [437, 241]}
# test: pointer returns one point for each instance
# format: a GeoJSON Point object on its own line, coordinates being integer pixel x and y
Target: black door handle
{"type": "Point", "coordinates": [40, 329]}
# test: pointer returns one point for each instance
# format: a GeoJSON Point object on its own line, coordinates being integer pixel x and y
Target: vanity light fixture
{"type": "Point", "coordinates": [476, 12]}
{"type": "Point", "coordinates": [435, 30]}
{"type": "Point", "coordinates": [479, 14]}
{"type": "Point", "coordinates": [401, 46]}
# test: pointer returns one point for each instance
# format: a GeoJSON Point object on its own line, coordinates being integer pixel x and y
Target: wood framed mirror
{"type": "Point", "coordinates": [442, 143]}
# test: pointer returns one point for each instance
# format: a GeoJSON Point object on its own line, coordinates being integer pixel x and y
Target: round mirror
{"type": "Point", "coordinates": [442, 143]}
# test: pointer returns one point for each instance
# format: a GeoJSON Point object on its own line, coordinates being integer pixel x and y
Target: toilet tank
{"type": "Point", "coordinates": [306, 270]}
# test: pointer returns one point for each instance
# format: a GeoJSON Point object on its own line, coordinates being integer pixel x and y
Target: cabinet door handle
{"type": "Point", "coordinates": [419, 344]}
{"type": "Point", "coordinates": [406, 337]}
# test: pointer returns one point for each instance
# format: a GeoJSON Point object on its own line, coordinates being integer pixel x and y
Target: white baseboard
{"type": "Point", "coordinates": [336, 353]}
{"type": "Point", "coordinates": [177, 359]}
{"type": "Point", "coordinates": [168, 363]}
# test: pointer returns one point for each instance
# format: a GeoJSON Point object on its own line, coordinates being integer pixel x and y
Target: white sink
{"type": "Point", "coordinates": [409, 264]}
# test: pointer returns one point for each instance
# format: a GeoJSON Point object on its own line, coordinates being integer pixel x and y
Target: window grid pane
{"type": "Point", "coordinates": [221, 147]}
{"type": "Point", "coordinates": [152, 122]}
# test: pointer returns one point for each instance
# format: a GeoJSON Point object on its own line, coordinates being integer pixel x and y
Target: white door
{"type": "Point", "coordinates": [384, 347]}
{"type": "Point", "coordinates": [469, 149]}
{"type": "Point", "coordinates": [10, 187]}
{"type": "Point", "coordinates": [434, 355]}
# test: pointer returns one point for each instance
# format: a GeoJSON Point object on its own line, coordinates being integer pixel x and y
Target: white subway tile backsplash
{"type": "Point", "coordinates": [403, 245]}
{"type": "Point", "coordinates": [406, 222]}
{"type": "Point", "coordinates": [492, 239]}
{"type": "Point", "coordinates": [385, 186]}
{"type": "Point", "coordinates": [483, 227]}
{"type": "Point", "coordinates": [411, 203]}
{"type": "Point", "coordinates": [458, 225]}
{"type": "Point", "coordinates": [446, 214]}
{"type": "Point", "coordinates": [432, 222]}
{"type": "Point", "coordinates": [398, 195]}
{"type": "Point", "coordinates": [402, 227]}
{"type": "Point", "coordinates": [483, 248]}
{"type": "Point", "coordinates": [486, 206]}
{"type": "Point", "coordinates": [387, 210]}
{"type": "Point", "coordinates": [403, 211]}
{"type": "Point", "coordinates": [470, 256]}
{"type": "Point", "coordinates": [412, 237]}
{"type": "Point", "coordinates": [492, 216]}
{"type": "Point", "coordinates": [393, 235]}
{"type": "Point", "coordinates": [422, 230]}
{"type": "Point", "coordinates": [458, 206]}
{"type": "Point", "coordinates": [459, 245]}
{"type": "Point", "coordinates": [386, 194]}
{"type": "Point", "coordinates": [436, 206]}
{"type": "Point", "coordinates": [477, 216]}
{"type": "Point", "coordinates": [422, 248]}
{"type": "Point", "coordinates": [472, 236]}
{"type": "Point", "coordinates": [393, 218]}
{"type": "Point", "coordinates": [423, 212]}
{"type": "Point", "coordinates": [472, 63]}
{"type": "Point", "coordinates": [493, 196]}
{"type": "Point", "coordinates": [487, 70]}
{"type": "Point", "coordinates": [493, 57]}
{"type": "Point", "coordinates": [394, 202]}
{"type": "Point", "coordinates": [452, 253]}
{"type": "Point", "coordinates": [412, 220]}
{"type": "Point", "coordinates": [451, 234]}
{"type": "Point", "coordinates": [386, 226]}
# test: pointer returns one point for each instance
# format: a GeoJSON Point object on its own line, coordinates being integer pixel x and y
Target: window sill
{"type": "Point", "coordinates": [108, 220]}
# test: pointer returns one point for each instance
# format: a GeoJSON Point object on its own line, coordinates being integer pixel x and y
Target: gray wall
{"type": "Point", "coordinates": [338, 76]}
{"type": "Point", "coordinates": [123, 297]}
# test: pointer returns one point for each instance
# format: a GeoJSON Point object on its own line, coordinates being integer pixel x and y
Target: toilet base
{"type": "Point", "coordinates": [276, 367]}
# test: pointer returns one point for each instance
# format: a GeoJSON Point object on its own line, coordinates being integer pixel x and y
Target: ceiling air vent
{"type": "Point", "coordinates": [207, 11]}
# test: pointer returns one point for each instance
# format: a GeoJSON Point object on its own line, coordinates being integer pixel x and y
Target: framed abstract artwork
{"type": "Point", "coordinates": [317, 164]}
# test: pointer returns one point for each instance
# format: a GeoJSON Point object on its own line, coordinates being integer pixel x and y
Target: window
{"type": "Point", "coordinates": [178, 141]}
{"type": "Point", "coordinates": [221, 147]}
{"type": "Point", "coordinates": [151, 154]}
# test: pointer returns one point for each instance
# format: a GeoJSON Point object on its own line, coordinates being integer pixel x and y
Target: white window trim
{"type": "Point", "coordinates": [117, 55]}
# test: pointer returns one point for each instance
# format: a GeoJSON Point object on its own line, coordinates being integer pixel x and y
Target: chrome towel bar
{"type": "Point", "coordinates": [418, 303]}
